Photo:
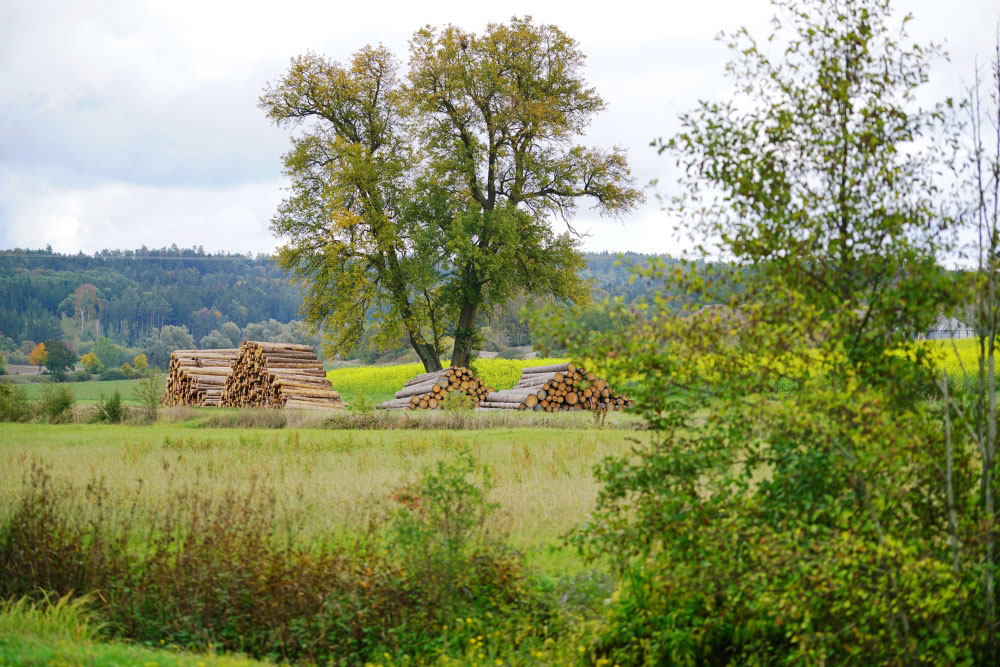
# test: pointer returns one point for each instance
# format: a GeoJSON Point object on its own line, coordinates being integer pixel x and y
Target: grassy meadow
{"type": "Point", "coordinates": [331, 489]}
{"type": "Point", "coordinates": [89, 392]}
{"type": "Point", "coordinates": [329, 481]}
{"type": "Point", "coordinates": [62, 632]}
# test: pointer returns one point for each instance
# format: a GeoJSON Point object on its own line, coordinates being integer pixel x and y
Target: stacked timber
{"type": "Point", "coordinates": [556, 388]}
{"type": "Point", "coordinates": [279, 375]}
{"type": "Point", "coordinates": [428, 390]}
{"type": "Point", "coordinates": [198, 377]}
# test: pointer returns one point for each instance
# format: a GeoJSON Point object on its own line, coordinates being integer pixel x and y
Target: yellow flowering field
{"type": "Point", "coordinates": [379, 383]}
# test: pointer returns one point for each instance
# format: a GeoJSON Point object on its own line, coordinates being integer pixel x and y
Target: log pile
{"type": "Point", "coordinates": [279, 375]}
{"type": "Point", "coordinates": [557, 388]}
{"type": "Point", "coordinates": [428, 390]}
{"type": "Point", "coordinates": [197, 377]}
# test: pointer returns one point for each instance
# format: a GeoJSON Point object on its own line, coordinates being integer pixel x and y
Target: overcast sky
{"type": "Point", "coordinates": [135, 123]}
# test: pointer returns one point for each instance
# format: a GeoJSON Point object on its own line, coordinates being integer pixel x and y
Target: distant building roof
{"type": "Point", "coordinates": [949, 327]}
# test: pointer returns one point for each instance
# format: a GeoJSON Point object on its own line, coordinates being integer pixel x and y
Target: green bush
{"type": "Point", "coordinates": [455, 401]}
{"type": "Point", "coordinates": [110, 410]}
{"type": "Point", "coordinates": [14, 406]}
{"type": "Point", "coordinates": [111, 374]}
{"type": "Point", "coordinates": [79, 376]}
{"type": "Point", "coordinates": [224, 571]}
{"type": "Point", "coordinates": [149, 392]}
{"type": "Point", "coordinates": [56, 403]}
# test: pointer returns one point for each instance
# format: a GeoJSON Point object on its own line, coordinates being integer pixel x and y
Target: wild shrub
{"type": "Point", "coordinates": [14, 405]}
{"type": "Point", "coordinates": [438, 529]}
{"type": "Point", "coordinates": [456, 401]}
{"type": "Point", "coordinates": [110, 410]}
{"type": "Point", "coordinates": [149, 392]}
{"type": "Point", "coordinates": [56, 403]}
{"type": "Point", "coordinates": [247, 418]}
{"type": "Point", "coordinates": [224, 571]}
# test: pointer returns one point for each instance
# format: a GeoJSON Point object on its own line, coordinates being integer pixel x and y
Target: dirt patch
{"type": "Point", "coordinates": [21, 369]}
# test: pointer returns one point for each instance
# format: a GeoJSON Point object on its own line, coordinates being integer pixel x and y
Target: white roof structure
{"type": "Point", "coordinates": [949, 327]}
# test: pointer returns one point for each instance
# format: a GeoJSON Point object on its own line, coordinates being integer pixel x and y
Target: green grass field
{"type": "Point", "coordinates": [60, 632]}
{"type": "Point", "coordinates": [90, 392]}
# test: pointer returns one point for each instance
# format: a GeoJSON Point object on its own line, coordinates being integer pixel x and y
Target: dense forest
{"type": "Point", "coordinates": [134, 298]}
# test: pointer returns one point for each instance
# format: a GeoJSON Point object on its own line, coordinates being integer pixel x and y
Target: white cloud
{"type": "Point", "coordinates": [124, 215]}
{"type": "Point", "coordinates": [135, 122]}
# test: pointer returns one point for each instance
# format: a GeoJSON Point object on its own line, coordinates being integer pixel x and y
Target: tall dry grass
{"type": "Point", "coordinates": [327, 481]}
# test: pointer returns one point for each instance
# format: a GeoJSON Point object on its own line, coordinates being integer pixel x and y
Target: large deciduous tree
{"type": "Point", "coordinates": [420, 203]}
{"type": "Point", "coordinates": [349, 234]}
{"type": "Point", "coordinates": [498, 115]}
{"type": "Point", "coordinates": [59, 358]}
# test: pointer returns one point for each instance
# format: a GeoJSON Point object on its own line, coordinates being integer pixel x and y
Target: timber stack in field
{"type": "Point", "coordinates": [556, 388]}
{"type": "Point", "coordinates": [197, 377]}
{"type": "Point", "coordinates": [279, 375]}
{"type": "Point", "coordinates": [428, 390]}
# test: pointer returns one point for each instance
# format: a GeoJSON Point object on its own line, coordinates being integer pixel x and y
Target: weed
{"type": "Point", "coordinates": [149, 392]}
{"type": "Point", "coordinates": [224, 571]}
{"type": "Point", "coordinates": [455, 401]}
{"type": "Point", "coordinates": [56, 404]}
{"type": "Point", "coordinates": [51, 617]}
{"type": "Point", "coordinates": [110, 410]}
{"type": "Point", "coordinates": [14, 406]}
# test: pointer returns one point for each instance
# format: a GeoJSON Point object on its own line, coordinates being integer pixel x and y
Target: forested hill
{"type": "Point", "coordinates": [136, 292]}
{"type": "Point", "coordinates": [140, 291]}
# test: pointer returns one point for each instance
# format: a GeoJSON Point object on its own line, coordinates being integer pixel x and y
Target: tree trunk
{"type": "Point", "coordinates": [465, 333]}
{"type": "Point", "coordinates": [428, 355]}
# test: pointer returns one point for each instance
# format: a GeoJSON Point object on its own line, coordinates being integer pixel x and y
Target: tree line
{"type": "Point", "coordinates": [151, 301]}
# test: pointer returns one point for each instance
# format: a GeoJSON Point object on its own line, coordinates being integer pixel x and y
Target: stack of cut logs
{"type": "Point", "coordinates": [428, 390]}
{"type": "Point", "coordinates": [197, 377]}
{"type": "Point", "coordinates": [279, 375]}
{"type": "Point", "coordinates": [556, 388]}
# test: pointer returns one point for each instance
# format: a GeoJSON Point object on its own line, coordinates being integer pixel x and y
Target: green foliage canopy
{"type": "Point", "coordinates": [422, 202]}
{"type": "Point", "coordinates": [59, 358]}
{"type": "Point", "coordinates": [793, 507]}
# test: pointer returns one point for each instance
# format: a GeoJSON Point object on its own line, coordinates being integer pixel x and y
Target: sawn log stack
{"type": "Point", "coordinates": [557, 388]}
{"type": "Point", "coordinates": [279, 375]}
{"type": "Point", "coordinates": [197, 377]}
{"type": "Point", "coordinates": [258, 375]}
{"type": "Point", "coordinates": [428, 390]}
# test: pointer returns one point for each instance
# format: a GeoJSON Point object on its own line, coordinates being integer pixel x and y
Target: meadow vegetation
{"type": "Point", "coordinates": [308, 544]}
{"type": "Point", "coordinates": [64, 631]}
{"type": "Point", "coordinates": [89, 392]}
{"type": "Point", "coordinates": [808, 488]}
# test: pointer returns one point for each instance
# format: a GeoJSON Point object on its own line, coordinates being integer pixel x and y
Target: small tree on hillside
{"type": "Point", "coordinates": [91, 363]}
{"type": "Point", "coordinates": [58, 358]}
{"type": "Point", "coordinates": [37, 356]}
